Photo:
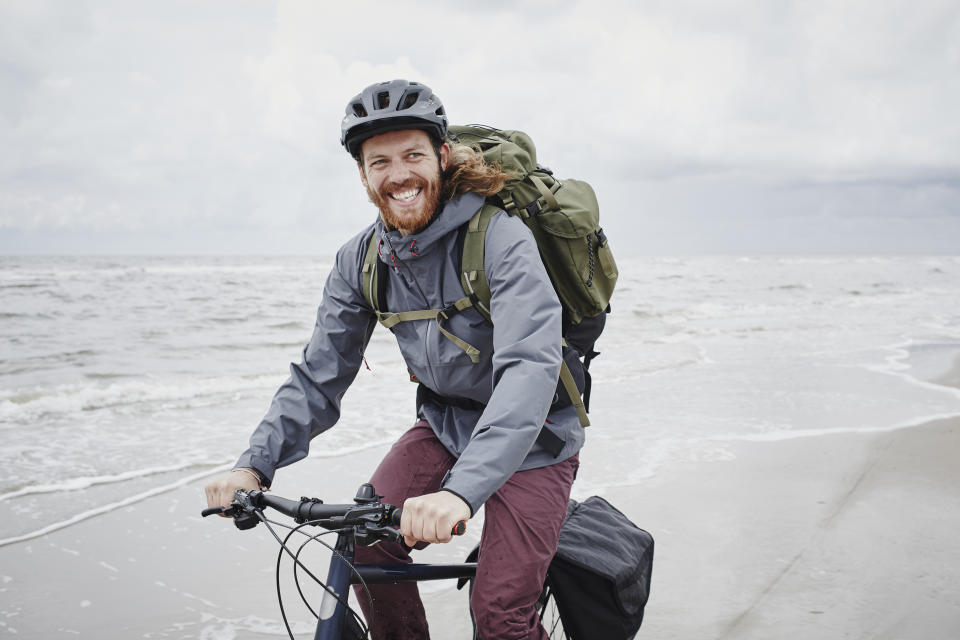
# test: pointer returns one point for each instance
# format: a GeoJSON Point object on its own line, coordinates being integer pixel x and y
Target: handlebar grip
{"type": "Point", "coordinates": [458, 529]}
{"type": "Point", "coordinates": [212, 511]}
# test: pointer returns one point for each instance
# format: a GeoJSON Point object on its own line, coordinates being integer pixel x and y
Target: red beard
{"type": "Point", "coordinates": [407, 220]}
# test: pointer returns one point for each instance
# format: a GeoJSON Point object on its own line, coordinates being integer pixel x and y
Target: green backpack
{"type": "Point", "coordinates": [564, 219]}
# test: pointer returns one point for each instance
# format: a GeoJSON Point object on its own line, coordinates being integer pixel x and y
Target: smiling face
{"type": "Point", "coordinates": [402, 177]}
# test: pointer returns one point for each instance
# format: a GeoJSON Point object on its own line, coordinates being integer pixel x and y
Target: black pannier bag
{"type": "Point", "coordinates": [600, 576]}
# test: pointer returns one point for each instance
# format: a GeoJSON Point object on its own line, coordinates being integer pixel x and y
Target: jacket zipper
{"type": "Point", "coordinates": [426, 346]}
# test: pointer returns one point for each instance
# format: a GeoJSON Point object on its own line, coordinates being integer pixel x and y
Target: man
{"type": "Point", "coordinates": [476, 438]}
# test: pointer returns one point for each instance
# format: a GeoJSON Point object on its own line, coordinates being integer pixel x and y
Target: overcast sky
{"type": "Point", "coordinates": [705, 127]}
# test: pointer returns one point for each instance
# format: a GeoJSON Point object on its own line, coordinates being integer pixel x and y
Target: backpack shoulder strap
{"type": "Point", "coordinates": [368, 273]}
{"type": "Point", "coordinates": [473, 276]}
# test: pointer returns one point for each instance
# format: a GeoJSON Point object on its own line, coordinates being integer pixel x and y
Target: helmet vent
{"type": "Point", "coordinates": [383, 100]}
{"type": "Point", "coordinates": [359, 111]}
{"type": "Point", "coordinates": [408, 100]}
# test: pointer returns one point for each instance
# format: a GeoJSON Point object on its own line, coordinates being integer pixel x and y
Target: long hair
{"type": "Point", "coordinates": [467, 172]}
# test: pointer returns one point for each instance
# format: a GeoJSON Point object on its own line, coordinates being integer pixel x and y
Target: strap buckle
{"type": "Point", "coordinates": [458, 306]}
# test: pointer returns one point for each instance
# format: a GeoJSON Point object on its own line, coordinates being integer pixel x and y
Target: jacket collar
{"type": "Point", "coordinates": [455, 213]}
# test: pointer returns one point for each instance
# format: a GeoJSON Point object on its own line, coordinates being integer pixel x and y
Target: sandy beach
{"type": "Point", "coordinates": [841, 536]}
{"type": "Point", "coordinates": [835, 536]}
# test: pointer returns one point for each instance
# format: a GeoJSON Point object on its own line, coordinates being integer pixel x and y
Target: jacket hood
{"type": "Point", "coordinates": [455, 213]}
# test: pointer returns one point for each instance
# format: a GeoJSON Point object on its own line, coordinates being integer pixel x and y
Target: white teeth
{"type": "Point", "coordinates": [405, 195]}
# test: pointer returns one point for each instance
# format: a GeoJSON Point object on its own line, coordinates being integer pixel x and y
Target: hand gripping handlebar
{"type": "Point", "coordinates": [367, 511]}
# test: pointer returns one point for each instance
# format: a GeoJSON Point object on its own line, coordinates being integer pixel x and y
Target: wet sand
{"type": "Point", "coordinates": [834, 536]}
{"type": "Point", "coordinates": [839, 536]}
{"type": "Point", "coordinates": [847, 535]}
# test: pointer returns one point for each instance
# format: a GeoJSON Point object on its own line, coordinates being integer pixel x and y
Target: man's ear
{"type": "Point", "coordinates": [363, 174]}
{"type": "Point", "coordinates": [444, 156]}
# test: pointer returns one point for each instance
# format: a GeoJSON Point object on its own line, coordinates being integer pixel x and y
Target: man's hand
{"type": "Point", "coordinates": [431, 518]}
{"type": "Point", "coordinates": [220, 492]}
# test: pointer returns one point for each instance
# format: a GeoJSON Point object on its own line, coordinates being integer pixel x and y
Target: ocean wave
{"type": "Point", "coordinates": [295, 324]}
{"type": "Point", "coordinates": [29, 364]}
{"type": "Point", "coordinates": [27, 404]}
{"type": "Point", "coordinates": [933, 375]}
{"type": "Point", "coordinates": [290, 344]}
{"type": "Point", "coordinates": [36, 315]}
{"type": "Point", "coordinates": [109, 376]}
{"type": "Point", "coordinates": [113, 506]}
{"type": "Point", "coordinates": [793, 434]}
{"type": "Point", "coordinates": [80, 483]}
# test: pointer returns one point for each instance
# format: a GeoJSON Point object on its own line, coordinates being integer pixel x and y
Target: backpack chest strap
{"type": "Point", "coordinates": [390, 320]}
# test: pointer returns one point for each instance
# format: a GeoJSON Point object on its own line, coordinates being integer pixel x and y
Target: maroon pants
{"type": "Point", "coordinates": [521, 527]}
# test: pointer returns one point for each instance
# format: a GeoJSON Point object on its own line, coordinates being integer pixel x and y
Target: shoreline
{"type": "Point", "coordinates": [846, 534]}
{"type": "Point", "coordinates": [114, 483]}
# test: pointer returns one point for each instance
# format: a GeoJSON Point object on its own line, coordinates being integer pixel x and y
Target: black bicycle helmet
{"type": "Point", "coordinates": [391, 106]}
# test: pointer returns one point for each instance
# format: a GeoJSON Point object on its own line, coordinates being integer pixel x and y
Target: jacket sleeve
{"type": "Point", "coordinates": [308, 403]}
{"type": "Point", "coordinates": [526, 362]}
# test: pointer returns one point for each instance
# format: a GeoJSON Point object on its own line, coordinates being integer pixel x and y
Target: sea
{"type": "Point", "coordinates": [126, 377]}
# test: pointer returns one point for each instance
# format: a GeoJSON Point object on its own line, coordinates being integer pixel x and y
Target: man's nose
{"type": "Point", "coordinates": [399, 172]}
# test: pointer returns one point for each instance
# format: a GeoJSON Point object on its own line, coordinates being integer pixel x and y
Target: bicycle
{"type": "Point", "coordinates": [365, 522]}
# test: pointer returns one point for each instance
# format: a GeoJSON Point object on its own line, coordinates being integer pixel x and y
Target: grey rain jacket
{"type": "Point", "coordinates": [516, 377]}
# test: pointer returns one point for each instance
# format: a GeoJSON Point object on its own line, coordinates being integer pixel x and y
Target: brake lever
{"type": "Point", "coordinates": [387, 533]}
{"type": "Point", "coordinates": [246, 521]}
{"type": "Point", "coordinates": [242, 519]}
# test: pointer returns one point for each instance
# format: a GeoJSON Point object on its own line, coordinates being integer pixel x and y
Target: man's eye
{"type": "Point", "coordinates": [416, 155]}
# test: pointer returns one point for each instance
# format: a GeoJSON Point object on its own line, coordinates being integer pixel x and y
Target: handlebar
{"type": "Point", "coordinates": [367, 514]}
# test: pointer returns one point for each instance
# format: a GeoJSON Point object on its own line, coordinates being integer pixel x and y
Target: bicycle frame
{"type": "Point", "coordinates": [367, 515]}
{"type": "Point", "coordinates": [343, 572]}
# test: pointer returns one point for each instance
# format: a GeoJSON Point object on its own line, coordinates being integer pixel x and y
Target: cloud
{"type": "Point", "coordinates": [223, 118]}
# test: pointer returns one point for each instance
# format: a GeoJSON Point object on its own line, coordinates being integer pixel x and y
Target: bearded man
{"type": "Point", "coordinates": [475, 441]}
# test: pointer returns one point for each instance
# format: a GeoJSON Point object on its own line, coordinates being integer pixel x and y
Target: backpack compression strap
{"type": "Point", "coordinates": [473, 277]}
